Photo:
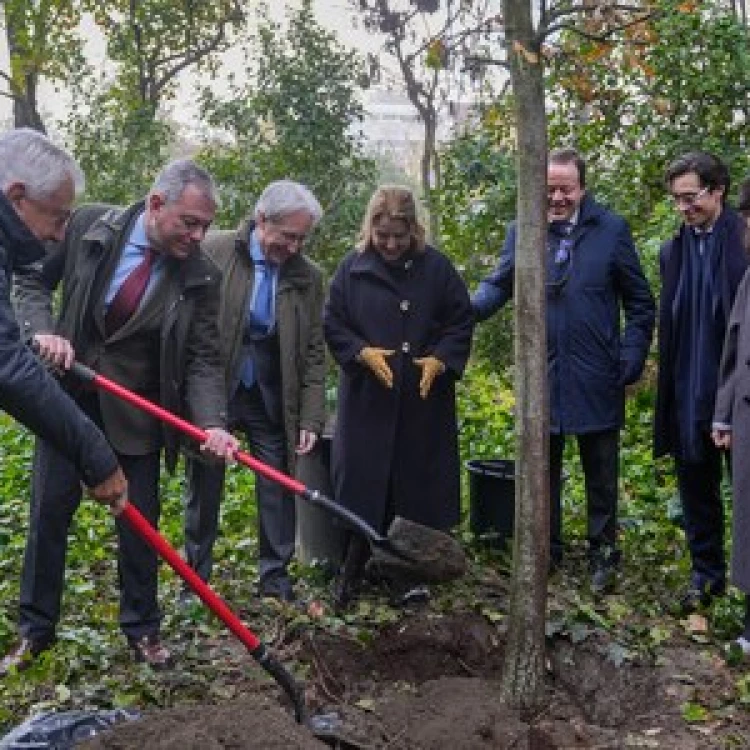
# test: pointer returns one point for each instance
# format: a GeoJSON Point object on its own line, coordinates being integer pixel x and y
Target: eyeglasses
{"type": "Point", "coordinates": [292, 238]}
{"type": "Point", "coordinates": [689, 199]}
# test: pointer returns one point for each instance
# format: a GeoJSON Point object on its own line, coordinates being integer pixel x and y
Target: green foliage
{"type": "Point", "coordinates": [475, 202]}
{"type": "Point", "coordinates": [35, 53]}
{"type": "Point", "coordinates": [295, 122]}
{"type": "Point", "coordinates": [152, 41]}
{"type": "Point", "coordinates": [119, 149]}
{"type": "Point", "coordinates": [677, 82]}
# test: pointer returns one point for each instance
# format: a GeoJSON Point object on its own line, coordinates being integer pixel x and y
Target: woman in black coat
{"type": "Point", "coordinates": [399, 323]}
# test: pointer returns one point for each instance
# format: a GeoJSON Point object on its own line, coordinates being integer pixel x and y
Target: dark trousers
{"type": "Point", "coordinates": [600, 454]}
{"type": "Point", "coordinates": [276, 508]}
{"type": "Point", "coordinates": [703, 510]}
{"type": "Point", "coordinates": [55, 496]}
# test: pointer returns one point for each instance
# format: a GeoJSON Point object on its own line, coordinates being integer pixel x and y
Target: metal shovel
{"type": "Point", "coordinates": [256, 648]}
{"type": "Point", "coordinates": [410, 548]}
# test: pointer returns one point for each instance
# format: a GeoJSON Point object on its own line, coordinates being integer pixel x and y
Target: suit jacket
{"type": "Point", "coordinates": [296, 379]}
{"type": "Point", "coordinates": [167, 352]}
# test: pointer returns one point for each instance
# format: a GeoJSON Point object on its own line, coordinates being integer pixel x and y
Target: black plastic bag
{"type": "Point", "coordinates": [63, 730]}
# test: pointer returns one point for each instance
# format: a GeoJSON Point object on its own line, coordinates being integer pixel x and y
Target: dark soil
{"type": "Point", "coordinates": [432, 681]}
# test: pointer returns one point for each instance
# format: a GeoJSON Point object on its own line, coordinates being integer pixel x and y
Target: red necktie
{"type": "Point", "coordinates": [129, 295]}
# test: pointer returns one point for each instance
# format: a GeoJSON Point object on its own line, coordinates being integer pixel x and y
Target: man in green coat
{"type": "Point", "coordinates": [270, 322]}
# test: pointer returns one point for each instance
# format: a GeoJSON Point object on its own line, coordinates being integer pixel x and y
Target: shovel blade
{"type": "Point", "coordinates": [415, 553]}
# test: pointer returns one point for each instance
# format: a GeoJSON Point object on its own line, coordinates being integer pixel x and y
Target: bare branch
{"type": "Point", "coordinates": [602, 36]}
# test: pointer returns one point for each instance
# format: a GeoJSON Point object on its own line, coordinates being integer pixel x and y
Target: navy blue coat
{"type": "Point", "coordinates": [590, 359]}
{"type": "Point", "coordinates": [730, 232]}
{"type": "Point", "coordinates": [27, 391]}
{"type": "Point", "coordinates": [392, 450]}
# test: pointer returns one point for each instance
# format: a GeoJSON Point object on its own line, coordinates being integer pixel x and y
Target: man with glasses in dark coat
{"type": "Point", "coordinates": [593, 273]}
{"type": "Point", "coordinates": [701, 268]}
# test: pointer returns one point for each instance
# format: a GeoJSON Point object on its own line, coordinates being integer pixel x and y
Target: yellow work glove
{"type": "Point", "coordinates": [431, 367]}
{"type": "Point", "coordinates": [374, 359]}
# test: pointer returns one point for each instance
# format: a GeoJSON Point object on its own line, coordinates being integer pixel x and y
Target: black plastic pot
{"type": "Point", "coordinates": [492, 506]}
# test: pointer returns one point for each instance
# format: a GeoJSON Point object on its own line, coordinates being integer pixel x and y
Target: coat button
{"type": "Point", "coordinates": [405, 347]}
{"type": "Point", "coordinates": [404, 305]}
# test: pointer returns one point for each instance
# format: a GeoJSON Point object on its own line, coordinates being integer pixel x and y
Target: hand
{"type": "Point", "coordinates": [722, 438]}
{"type": "Point", "coordinates": [220, 444]}
{"type": "Point", "coordinates": [55, 350]}
{"type": "Point", "coordinates": [431, 367]}
{"type": "Point", "coordinates": [113, 491]}
{"type": "Point", "coordinates": [306, 442]}
{"type": "Point", "coordinates": [374, 359]}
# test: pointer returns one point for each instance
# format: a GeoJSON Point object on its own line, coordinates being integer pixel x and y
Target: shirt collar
{"type": "Point", "coordinates": [138, 233]}
{"type": "Point", "coordinates": [256, 253]}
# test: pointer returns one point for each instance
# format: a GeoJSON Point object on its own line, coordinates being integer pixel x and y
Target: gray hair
{"type": "Point", "coordinates": [285, 197]}
{"type": "Point", "coordinates": [30, 158]}
{"type": "Point", "coordinates": [171, 182]}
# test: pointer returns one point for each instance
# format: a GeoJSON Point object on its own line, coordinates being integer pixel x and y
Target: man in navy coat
{"type": "Point", "coordinates": [593, 272]}
{"type": "Point", "coordinates": [701, 269]}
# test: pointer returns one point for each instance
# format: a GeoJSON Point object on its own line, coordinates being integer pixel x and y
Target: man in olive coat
{"type": "Point", "coordinates": [160, 343]}
{"type": "Point", "coordinates": [274, 357]}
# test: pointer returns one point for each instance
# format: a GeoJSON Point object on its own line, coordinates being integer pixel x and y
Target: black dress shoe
{"type": "Point", "coordinates": [343, 591]}
{"type": "Point", "coordinates": [695, 598]}
{"type": "Point", "coordinates": [280, 588]}
{"type": "Point", "coordinates": [23, 655]}
{"type": "Point", "coordinates": [603, 580]}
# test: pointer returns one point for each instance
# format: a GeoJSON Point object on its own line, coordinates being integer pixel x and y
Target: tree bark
{"type": "Point", "coordinates": [25, 111]}
{"type": "Point", "coordinates": [523, 677]}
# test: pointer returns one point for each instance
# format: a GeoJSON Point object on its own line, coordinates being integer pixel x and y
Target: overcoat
{"type": "Point", "coordinates": [190, 376]}
{"type": "Point", "coordinates": [299, 310]}
{"type": "Point", "coordinates": [394, 452]}
{"type": "Point", "coordinates": [591, 357]}
{"type": "Point", "coordinates": [27, 391]}
{"type": "Point", "coordinates": [730, 231]}
{"type": "Point", "coordinates": [732, 408]}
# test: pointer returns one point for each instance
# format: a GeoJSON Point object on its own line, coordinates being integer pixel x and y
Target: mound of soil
{"type": "Point", "coordinates": [432, 682]}
{"type": "Point", "coordinates": [256, 721]}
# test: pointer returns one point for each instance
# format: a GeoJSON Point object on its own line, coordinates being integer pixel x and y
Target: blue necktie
{"type": "Point", "coordinates": [260, 317]}
{"type": "Point", "coordinates": [261, 314]}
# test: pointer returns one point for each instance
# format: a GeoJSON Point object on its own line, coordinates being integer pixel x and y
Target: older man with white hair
{"type": "Point", "coordinates": [38, 184]}
{"type": "Point", "coordinates": [270, 323]}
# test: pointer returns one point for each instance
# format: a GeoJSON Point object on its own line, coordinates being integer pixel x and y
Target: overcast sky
{"type": "Point", "coordinates": [335, 15]}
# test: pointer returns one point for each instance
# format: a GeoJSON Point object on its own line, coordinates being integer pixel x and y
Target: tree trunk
{"type": "Point", "coordinates": [25, 112]}
{"type": "Point", "coordinates": [430, 171]}
{"type": "Point", "coordinates": [523, 677]}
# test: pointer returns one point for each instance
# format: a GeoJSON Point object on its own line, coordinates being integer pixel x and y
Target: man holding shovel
{"type": "Point", "coordinates": [38, 183]}
{"type": "Point", "coordinates": [139, 305]}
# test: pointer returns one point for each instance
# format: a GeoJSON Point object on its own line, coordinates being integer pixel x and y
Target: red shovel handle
{"type": "Point", "coordinates": [196, 433]}
{"type": "Point", "coordinates": [275, 669]}
{"type": "Point", "coordinates": [134, 517]}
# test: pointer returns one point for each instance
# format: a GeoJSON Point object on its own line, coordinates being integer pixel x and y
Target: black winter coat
{"type": "Point", "coordinates": [590, 360]}
{"type": "Point", "coordinates": [730, 231]}
{"type": "Point", "coordinates": [394, 452]}
{"type": "Point", "coordinates": [27, 391]}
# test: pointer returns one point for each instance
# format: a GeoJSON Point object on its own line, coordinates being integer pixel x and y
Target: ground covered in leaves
{"type": "Point", "coordinates": [429, 677]}
{"type": "Point", "coordinates": [624, 671]}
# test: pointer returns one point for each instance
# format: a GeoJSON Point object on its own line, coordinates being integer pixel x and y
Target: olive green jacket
{"type": "Point", "coordinates": [181, 316]}
{"type": "Point", "coordinates": [299, 308]}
